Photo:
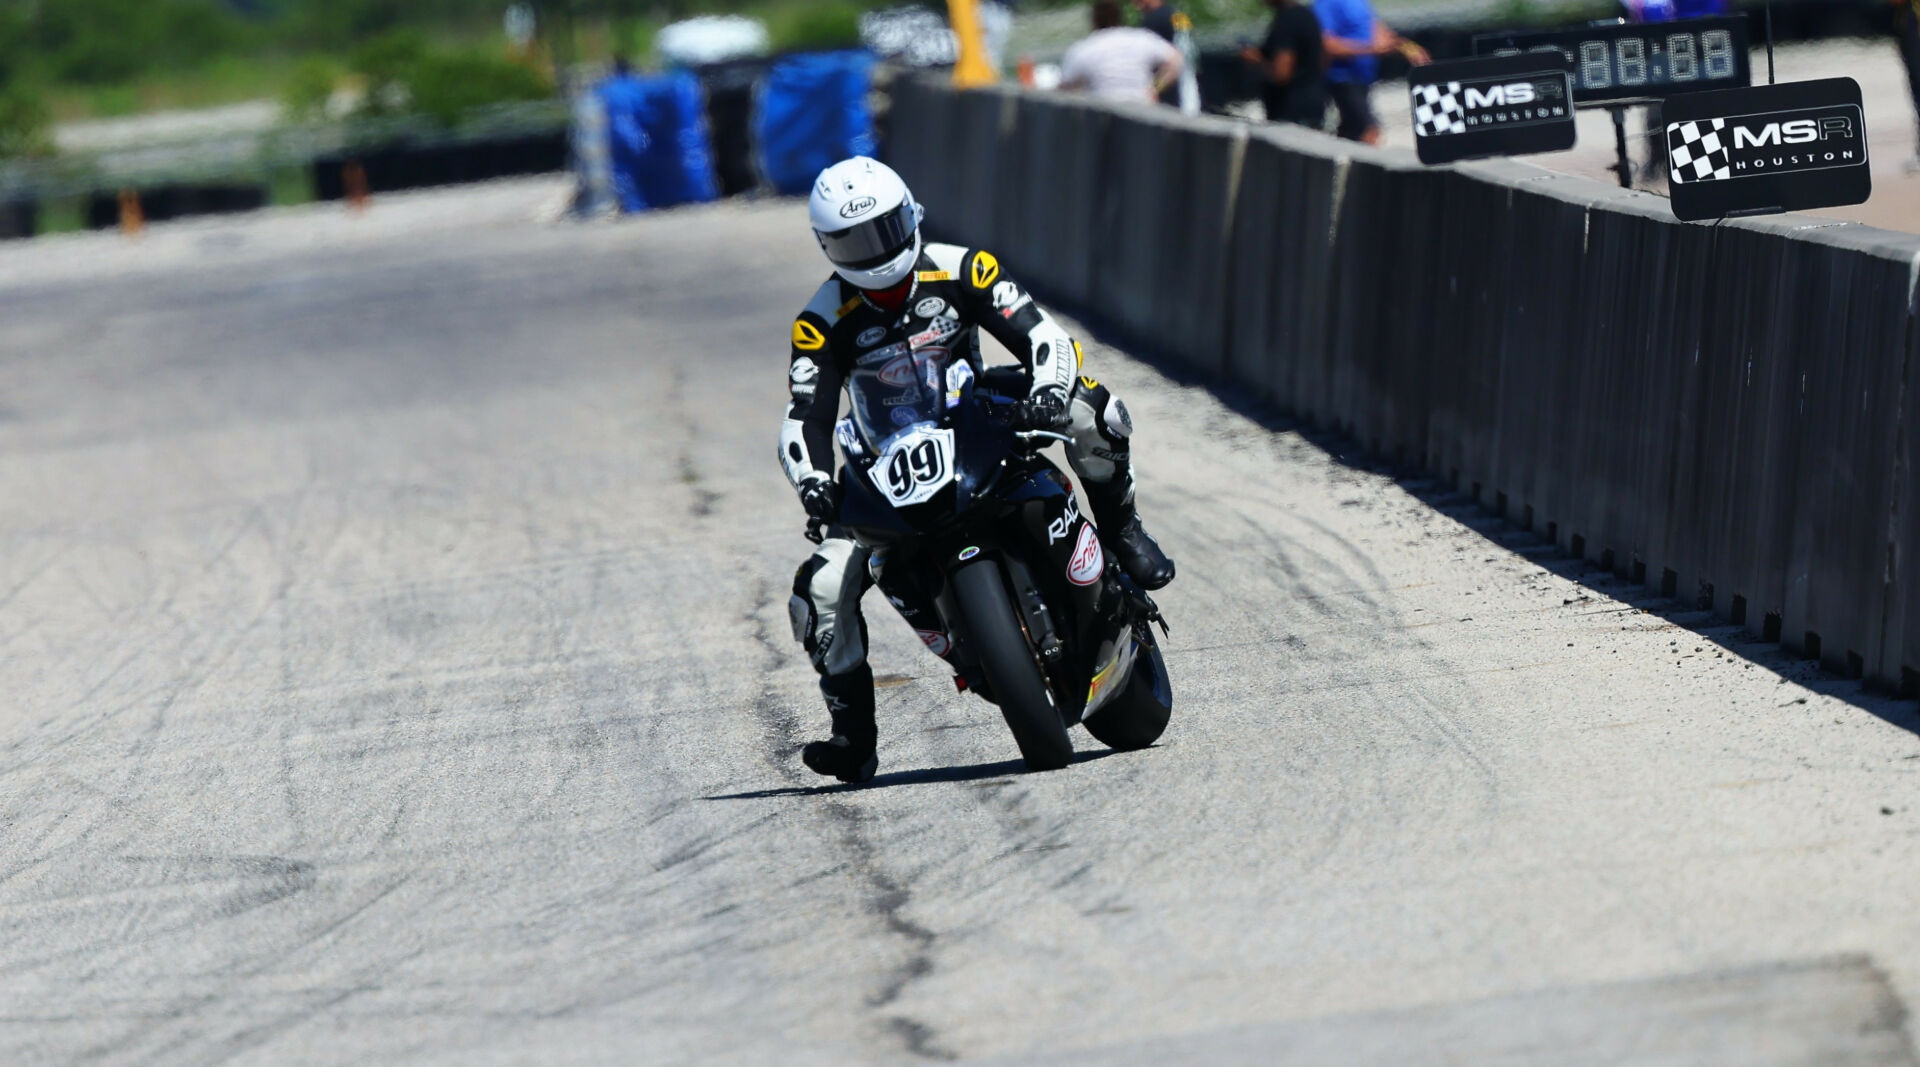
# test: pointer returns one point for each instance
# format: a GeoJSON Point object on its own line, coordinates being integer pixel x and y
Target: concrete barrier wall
{"type": "Point", "coordinates": [1716, 410]}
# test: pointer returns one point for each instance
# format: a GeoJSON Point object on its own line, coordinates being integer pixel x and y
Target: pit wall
{"type": "Point", "coordinates": [1719, 411]}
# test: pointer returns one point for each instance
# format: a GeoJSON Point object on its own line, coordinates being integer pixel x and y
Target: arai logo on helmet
{"type": "Point", "coordinates": [859, 205]}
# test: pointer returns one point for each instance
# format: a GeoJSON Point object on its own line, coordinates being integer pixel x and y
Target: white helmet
{"type": "Point", "coordinates": [867, 222]}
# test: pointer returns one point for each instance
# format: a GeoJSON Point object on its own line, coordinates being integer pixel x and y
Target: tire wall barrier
{"type": "Point", "coordinates": [1718, 411]}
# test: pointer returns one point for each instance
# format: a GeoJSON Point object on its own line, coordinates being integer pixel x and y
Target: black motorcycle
{"type": "Point", "coordinates": [950, 499]}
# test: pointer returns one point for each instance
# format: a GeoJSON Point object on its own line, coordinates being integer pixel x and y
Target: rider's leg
{"type": "Point", "coordinates": [904, 582]}
{"type": "Point", "coordinates": [1102, 458]}
{"type": "Point", "coordinates": [826, 619]}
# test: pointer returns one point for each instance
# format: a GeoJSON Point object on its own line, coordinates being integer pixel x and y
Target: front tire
{"type": "Point", "coordinates": [1007, 657]}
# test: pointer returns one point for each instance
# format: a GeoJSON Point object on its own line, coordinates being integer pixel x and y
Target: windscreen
{"type": "Point", "coordinates": [894, 388]}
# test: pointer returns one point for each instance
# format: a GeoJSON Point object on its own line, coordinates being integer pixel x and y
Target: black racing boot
{"type": "Point", "coordinates": [849, 754]}
{"type": "Point", "coordinates": [1121, 532]}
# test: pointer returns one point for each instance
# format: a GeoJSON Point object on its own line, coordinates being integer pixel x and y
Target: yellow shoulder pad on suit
{"type": "Point", "coordinates": [985, 269]}
{"type": "Point", "coordinates": [807, 336]}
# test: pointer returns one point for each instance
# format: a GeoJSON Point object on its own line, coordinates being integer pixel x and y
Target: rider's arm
{"type": "Point", "coordinates": [813, 390]}
{"type": "Point", "coordinates": [1000, 306]}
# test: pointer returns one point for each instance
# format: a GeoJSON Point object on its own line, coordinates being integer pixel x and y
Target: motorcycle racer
{"type": "Point", "coordinates": [893, 292]}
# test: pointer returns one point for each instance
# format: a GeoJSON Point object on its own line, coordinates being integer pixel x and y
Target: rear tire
{"type": "Point", "coordinates": [1139, 715]}
{"type": "Point", "coordinates": [1005, 655]}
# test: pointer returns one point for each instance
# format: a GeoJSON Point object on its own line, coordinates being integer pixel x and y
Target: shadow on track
{"type": "Point", "coordinates": [971, 772]}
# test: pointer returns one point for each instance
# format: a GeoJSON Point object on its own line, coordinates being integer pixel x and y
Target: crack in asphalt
{"type": "Point", "coordinates": [888, 898]}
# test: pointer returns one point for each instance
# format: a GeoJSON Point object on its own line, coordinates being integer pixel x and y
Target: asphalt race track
{"type": "Point", "coordinates": [396, 668]}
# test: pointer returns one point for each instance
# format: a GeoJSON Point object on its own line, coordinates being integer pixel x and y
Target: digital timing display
{"type": "Point", "coordinates": [1626, 61]}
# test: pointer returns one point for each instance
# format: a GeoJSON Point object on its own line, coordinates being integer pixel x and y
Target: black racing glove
{"type": "Point", "coordinates": [1044, 410]}
{"type": "Point", "coordinates": [821, 498]}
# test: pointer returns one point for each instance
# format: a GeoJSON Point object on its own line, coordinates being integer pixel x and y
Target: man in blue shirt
{"type": "Point", "coordinates": [1665, 10]}
{"type": "Point", "coordinates": [1355, 40]}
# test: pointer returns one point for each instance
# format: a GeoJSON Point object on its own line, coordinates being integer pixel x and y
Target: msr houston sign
{"type": "Point", "coordinates": [1769, 148]}
{"type": "Point", "coordinates": [1497, 106]}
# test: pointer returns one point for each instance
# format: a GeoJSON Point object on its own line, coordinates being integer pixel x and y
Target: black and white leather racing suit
{"type": "Point", "coordinates": [957, 292]}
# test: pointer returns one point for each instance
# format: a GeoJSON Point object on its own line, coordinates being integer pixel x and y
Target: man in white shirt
{"type": "Point", "coordinates": [1118, 62]}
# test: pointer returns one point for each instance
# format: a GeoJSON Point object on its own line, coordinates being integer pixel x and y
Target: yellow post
{"type": "Point", "coordinates": [972, 68]}
{"type": "Point", "coordinates": [132, 219]}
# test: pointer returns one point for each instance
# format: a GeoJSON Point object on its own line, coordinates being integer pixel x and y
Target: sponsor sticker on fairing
{"type": "Point", "coordinates": [1087, 563]}
{"type": "Point", "coordinates": [1058, 529]}
{"type": "Point", "coordinates": [936, 642]}
{"type": "Point", "coordinates": [899, 372]}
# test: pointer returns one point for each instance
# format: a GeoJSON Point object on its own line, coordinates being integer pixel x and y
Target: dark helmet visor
{"type": "Point", "coordinates": [873, 242]}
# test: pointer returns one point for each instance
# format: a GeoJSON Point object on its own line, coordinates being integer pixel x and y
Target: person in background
{"type": "Point", "coordinates": [1117, 62]}
{"type": "Point", "coordinates": [1668, 10]}
{"type": "Point", "coordinates": [1160, 17]}
{"type": "Point", "coordinates": [1906, 29]}
{"type": "Point", "coordinates": [1292, 64]}
{"type": "Point", "coordinates": [1172, 25]}
{"type": "Point", "coordinates": [1355, 40]}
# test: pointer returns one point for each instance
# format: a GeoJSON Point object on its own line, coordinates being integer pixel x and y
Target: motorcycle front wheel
{"type": "Point", "coordinates": [1011, 667]}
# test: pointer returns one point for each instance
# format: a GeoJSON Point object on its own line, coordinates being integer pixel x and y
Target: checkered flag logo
{"type": "Point", "coordinates": [1699, 151]}
{"type": "Point", "coordinates": [1437, 110]}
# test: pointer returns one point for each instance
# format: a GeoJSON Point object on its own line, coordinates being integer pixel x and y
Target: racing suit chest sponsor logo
{"type": "Point", "coordinates": [930, 307]}
{"type": "Point", "coordinates": [938, 330]}
{"type": "Point", "coordinates": [879, 355]}
{"type": "Point", "coordinates": [857, 206]}
{"type": "Point", "coordinates": [1087, 562]}
{"type": "Point", "coordinates": [870, 336]}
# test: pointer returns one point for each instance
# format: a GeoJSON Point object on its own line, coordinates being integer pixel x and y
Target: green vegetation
{"type": "Point", "coordinates": [66, 214]}
{"type": "Point", "coordinates": [23, 123]}
{"type": "Point", "coordinates": [75, 59]}
{"type": "Point", "coordinates": [821, 24]}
